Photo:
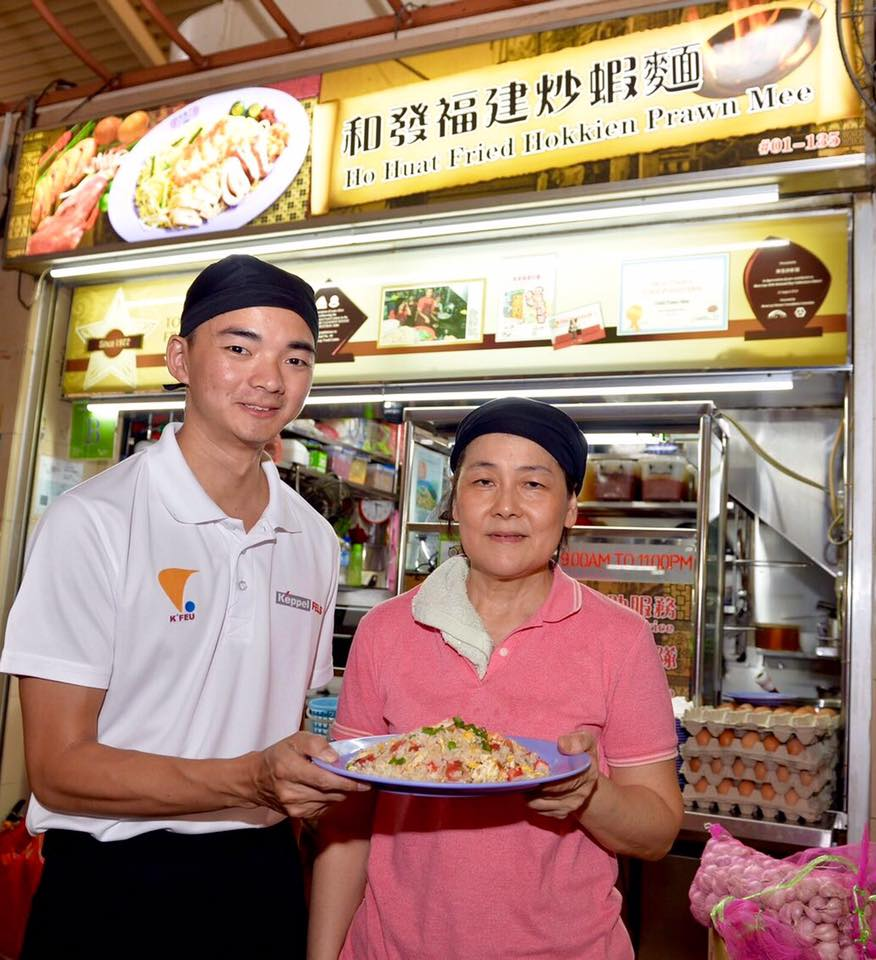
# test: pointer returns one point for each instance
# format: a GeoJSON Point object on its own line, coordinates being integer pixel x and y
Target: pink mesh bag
{"type": "Point", "coordinates": [816, 905]}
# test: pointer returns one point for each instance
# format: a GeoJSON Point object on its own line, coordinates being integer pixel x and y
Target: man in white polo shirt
{"type": "Point", "coordinates": [173, 612]}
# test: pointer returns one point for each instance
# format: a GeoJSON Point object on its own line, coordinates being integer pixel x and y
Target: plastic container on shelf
{"type": "Point", "coordinates": [380, 476]}
{"type": "Point", "coordinates": [616, 478]}
{"type": "Point", "coordinates": [664, 477]}
{"type": "Point", "coordinates": [318, 458]}
{"type": "Point", "coordinates": [354, 567]}
{"type": "Point", "coordinates": [294, 451]}
{"type": "Point", "coordinates": [339, 462]}
{"type": "Point", "coordinates": [358, 472]}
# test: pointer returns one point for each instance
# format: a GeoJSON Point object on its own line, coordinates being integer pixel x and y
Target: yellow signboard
{"type": "Point", "coordinates": [760, 69]}
{"type": "Point", "coordinates": [756, 293]}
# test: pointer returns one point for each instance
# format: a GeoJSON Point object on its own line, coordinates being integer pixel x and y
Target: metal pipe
{"type": "Point", "coordinates": [702, 531]}
{"type": "Point", "coordinates": [22, 463]}
{"type": "Point", "coordinates": [67, 38]}
{"type": "Point", "coordinates": [405, 498]}
{"type": "Point", "coordinates": [401, 11]}
{"type": "Point", "coordinates": [860, 518]}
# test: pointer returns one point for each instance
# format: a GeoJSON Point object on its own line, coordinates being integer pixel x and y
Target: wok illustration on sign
{"type": "Point", "coordinates": [758, 49]}
{"type": "Point", "coordinates": [213, 165]}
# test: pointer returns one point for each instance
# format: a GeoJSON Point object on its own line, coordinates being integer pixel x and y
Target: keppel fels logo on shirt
{"type": "Point", "coordinates": [173, 582]}
{"type": "Point", "coordinates": [288, 599]}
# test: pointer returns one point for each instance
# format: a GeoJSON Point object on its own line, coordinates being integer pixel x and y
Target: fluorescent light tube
{"type": "Point", "coordinates": [776, 382]}
{"type": "Point", "coordinates": [456, 225]}
{"type": "Point", "coordinates": [113, 408]}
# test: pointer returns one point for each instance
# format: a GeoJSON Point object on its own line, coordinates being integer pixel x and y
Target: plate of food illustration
{"type": "Point", "coordinates": [213, 165]}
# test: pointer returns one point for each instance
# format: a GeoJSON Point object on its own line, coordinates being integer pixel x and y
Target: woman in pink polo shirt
{"type": "Point", "coordinates": [503, 638]}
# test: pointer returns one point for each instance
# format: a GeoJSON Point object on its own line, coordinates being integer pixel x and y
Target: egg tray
{"type": "Point", "coordinates": [808, 810]}
{"type": "Point", "coordinates": [822, 753]}
{"type": "Point", "coordinates": [820, 778]}
{"type": "Point", "coordinates": [782, 724]}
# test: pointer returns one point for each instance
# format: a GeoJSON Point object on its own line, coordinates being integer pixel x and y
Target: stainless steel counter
{"type": "Point", "coordinates": [827, 831]}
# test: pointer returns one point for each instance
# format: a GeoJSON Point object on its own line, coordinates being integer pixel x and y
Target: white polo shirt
{"type": "Point", "coordinates": [205, 637]}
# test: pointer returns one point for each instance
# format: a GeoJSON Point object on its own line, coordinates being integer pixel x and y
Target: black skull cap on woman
{"type": "Point", "coordinates": [534, 420]}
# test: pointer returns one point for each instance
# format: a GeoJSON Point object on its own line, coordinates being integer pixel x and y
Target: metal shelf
{"type": "Point", "coordinates": [830, 653]}
{"type": "Point", "coordinates": [373, 493]}
{"type": "Point", "coordinates": [623, 508]}
{"type": "Point", "coordinates": [820, 834]}
{"type": "Point", "coordinates": [322, 438]}
{"type": "Point", "coordinates": [598, 532]}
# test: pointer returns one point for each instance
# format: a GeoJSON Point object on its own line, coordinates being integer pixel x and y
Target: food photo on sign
{"type": "Point", "coordinates": [211, 165]}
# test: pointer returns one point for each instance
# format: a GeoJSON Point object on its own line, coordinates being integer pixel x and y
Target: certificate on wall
{"type": "Point", "coordinates": [526, 299]}
{"type": "Point", "coordinates": [674, 295]}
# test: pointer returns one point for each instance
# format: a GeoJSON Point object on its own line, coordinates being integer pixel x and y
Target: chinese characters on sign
{"type": "Point", "coordinates": [646, 90]}
{"type": "Point", "coordinates": [608, 81]}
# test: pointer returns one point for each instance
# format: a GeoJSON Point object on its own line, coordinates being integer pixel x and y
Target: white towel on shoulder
{"type": "Point", "coordinates": [442, 602]}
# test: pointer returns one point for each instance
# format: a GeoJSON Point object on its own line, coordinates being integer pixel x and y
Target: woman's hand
{"type": "Point", "coordinates": [565, 797]}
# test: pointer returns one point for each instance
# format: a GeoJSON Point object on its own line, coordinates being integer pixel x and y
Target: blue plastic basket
{"type": "Point", "coordinates": [320, 714]}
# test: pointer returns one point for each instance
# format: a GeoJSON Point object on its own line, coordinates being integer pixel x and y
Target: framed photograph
{"type": "Point", "coordinates": [429, 314]}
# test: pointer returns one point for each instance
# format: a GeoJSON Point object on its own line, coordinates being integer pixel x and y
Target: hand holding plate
{"type": "Point", "coordinates": [565, 797]}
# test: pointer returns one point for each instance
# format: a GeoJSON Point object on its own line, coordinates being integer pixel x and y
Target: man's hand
{"type": "Point", "coordinates": [565, 797]}
{"type": "Point", "coordinates": [287, 781]}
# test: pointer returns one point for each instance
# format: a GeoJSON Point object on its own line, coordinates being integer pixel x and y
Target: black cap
{"type": "Point", "coordinates": [539, 422]}
{"type": "Point", "coordinates": [241, 281]}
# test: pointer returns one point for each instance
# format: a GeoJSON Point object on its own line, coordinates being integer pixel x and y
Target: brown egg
{"type": "Point", "coordinates": [760, 770]}
{"type": "Point", "coordinates": [804, 711]}
{"type": "Point", "coordinates": [744, 706]}
{"type": "Point", "coordinates": [725, 785]}
{"type": "Point", "coordinates": [694, 764]}
{"type": "Point", "coordinates": [806, 777]}
{"type": "Point", "coordinates": [107, 131]}
{"type": "Point", "coordinates": [767, 792]}
{"type": "Point", "coordinates": [738, 768]}
{"type": "Point", "coordinates": [750, 739]}
{"type": "Point", "coordinates": [791, 797]}
{"type": "Point", "coordinates": [827, 712]}
{"type": "Point", "coordinates": [746, 788]}
{"type": "Point", "coordinates": [703, 737]}
{"type": "Point", "coordinates": [726, 738]}
{"type": "Point", "coordinates": [770, 743]}
{"type": "Point", "coordinates": [795, 748]}
{"type": "Point", "coordinates": [716, 765]}
{"type": "Point", "coordinates": [133, 127]}
{"type": "Point", "coordinates": [763, 709]}
{"type": "Point", "coordinates": [783, 773]}
{"type": "Point", "coordinates": [726, 705]}
{"type": "Point", "coordinates": [701, 785]}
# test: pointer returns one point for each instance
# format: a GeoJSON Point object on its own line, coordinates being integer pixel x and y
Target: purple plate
{"type": "Point", "coordinates": [562, 767]}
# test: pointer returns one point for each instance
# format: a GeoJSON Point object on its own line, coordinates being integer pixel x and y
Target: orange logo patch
{"type": "Point", "coordinates": [173, 582]}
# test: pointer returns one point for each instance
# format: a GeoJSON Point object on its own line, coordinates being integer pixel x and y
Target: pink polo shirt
{"type": "Point", "coordinates": [485, 878]}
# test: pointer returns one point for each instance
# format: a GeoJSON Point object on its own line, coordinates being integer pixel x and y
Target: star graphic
{"type": "Point", "coordinates": [123, 366]}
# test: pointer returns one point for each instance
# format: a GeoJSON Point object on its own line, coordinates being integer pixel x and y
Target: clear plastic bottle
{"type": "Point", "coordinates": [344, 559]}
{"type": "Point", "coordinates": [354, 568]}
